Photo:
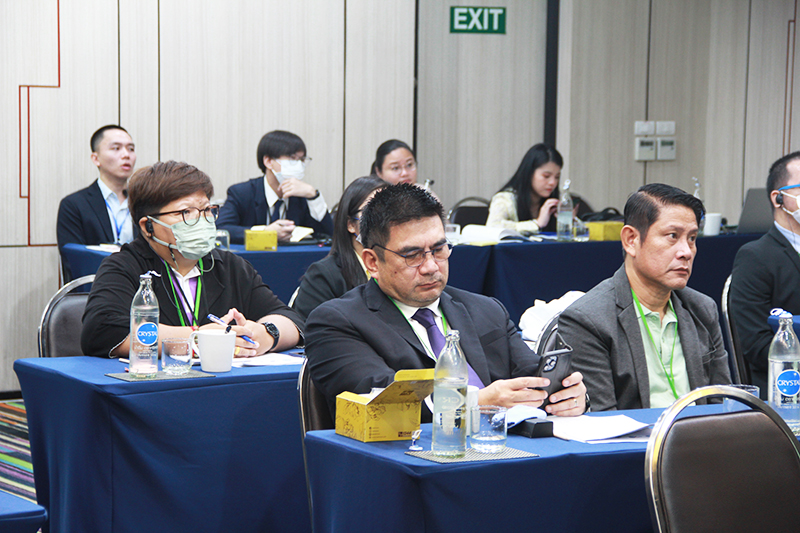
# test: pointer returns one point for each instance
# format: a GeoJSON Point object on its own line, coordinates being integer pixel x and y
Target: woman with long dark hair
{"type": "Point", "coordinates": [341, 269]}
{"type": "Point", "coordinates": [530, 198]}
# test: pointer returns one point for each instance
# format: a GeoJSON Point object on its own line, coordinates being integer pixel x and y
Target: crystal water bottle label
{"type": "Point", "coordinates": [788, 383]}
{"type": "Point", "coordinates": [147, 333]}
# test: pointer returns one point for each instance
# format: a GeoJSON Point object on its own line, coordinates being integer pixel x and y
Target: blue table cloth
{"type": "Point", "coordinates": [282, 270]}
{"type": "Point", "coordinates": [571, 487]}
{"type": "Point", "coordinates": [18, 515]}
{"type": "Point", "coordinates": [208, 454]}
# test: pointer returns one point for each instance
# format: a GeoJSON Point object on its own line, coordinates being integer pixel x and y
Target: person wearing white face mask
{"type": "Point", "coordinates": [171, 204]}
{"type": "Point", "coordinates": [280, 199]}
{"type": "Point", "coordinates": [766, 272]}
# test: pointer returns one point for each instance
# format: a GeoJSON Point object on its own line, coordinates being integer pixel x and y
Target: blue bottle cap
{"type": "Point", "coordinates": [780, 313]}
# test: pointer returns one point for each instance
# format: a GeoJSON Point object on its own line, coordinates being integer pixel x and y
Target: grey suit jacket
{"type": "Point", "coordinates": [604, 333]}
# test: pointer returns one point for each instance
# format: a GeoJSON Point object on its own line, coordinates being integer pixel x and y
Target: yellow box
{"type": "Point", "coordinates": [391, 415]}
{"type": "Point", "coordinates": [607, 230]}
{"type": "Point", "coordinates": [260, 240]}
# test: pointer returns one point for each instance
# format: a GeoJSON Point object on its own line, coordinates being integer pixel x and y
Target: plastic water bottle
{"type": "Point", "coordinates": [144, 331]}
{"type": "Point", "coordinates": [784, 372]}
{"type": "Point", "coordinates": [564, 215]}
{"type": "Point", "coordinates": [450, 400]}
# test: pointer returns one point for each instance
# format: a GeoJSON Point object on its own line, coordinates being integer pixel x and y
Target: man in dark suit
{"type": "Point", "coordinates": [99, 213]}
{"type": "Point", "coordinates": [766, 272]}
{"type": "Point", "coordinates": [279, 199]}
{"type": "Point", "coordinates": [359, 341]}
{"type": "Point", "coordinates": [642, 338]}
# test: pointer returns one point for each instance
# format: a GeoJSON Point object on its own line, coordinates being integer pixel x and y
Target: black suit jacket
{"type": "Point", "coordinates": [246, 206]}
{"type": "Point", "coordinates": [360, 340]}
{"type": "Point", "coordinates": [83, 219]}
{"type": "Point", "coordinates": [766, 274]}
{"type": "Point", "coordinates": [322, 281]}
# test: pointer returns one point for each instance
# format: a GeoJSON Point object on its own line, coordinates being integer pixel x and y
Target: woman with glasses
{"type": "Point", "coordinates": [170, 202]}
{"type": "Point", "coordinates": [342, 269]}
{"type": "Point", "coordinates": [395, 163]}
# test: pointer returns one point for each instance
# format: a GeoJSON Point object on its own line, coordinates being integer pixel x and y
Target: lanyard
{"type": "Point", "coordinates": [427, 349]}
{"type": "Point", "coordinates": [670, 375]}
{"type": "Point", "coordinates": [117, 226]}
{"type": "Point", "coordinates": [193, 317]}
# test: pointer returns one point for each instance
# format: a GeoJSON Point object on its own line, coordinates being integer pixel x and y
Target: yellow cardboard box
{"type": "Point", "coordinates": [260, 240]}
{"type": "Point", "coordinates": [391, 415]}
{"type": "Point", "coordinates": [607, 230]}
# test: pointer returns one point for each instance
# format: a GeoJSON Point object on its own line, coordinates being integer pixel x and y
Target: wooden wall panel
{"type": "Point", "coordinates": [379, 80]}
{"type": "Point", "coordinates": [230, 72]}
{"type": "Point", "coordinates": [603, 94]}
{"type": "Point", "coordinates": [480, 98]}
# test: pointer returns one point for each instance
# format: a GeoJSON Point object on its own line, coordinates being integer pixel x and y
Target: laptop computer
{"type": "Point", "coordinates": [756, 216]}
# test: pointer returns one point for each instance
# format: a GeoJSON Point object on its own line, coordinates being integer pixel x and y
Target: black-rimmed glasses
{"type": "Point", "coordinates": [192, 214]}
{"type": "Point", "coordinates": [416, 258]}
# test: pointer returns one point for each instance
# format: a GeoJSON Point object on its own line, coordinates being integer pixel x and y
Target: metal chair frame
{"type": "Point", "coordinates": [740, 370]}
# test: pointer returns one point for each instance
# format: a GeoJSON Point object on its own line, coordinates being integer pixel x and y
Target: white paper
{"type": "Point", "coordinates": [104, 247]}
{"type": "Point", "coordinates": [592, 428]}
{"type": "Point", "coordinates": [268, 359]}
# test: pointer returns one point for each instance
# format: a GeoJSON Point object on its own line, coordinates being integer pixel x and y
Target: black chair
{"type": "Point", "coordinates": [59, 330]}
{"type": "Point", "coordinates": [727, 472]}
{"type": "Point", "coordinates": [740, 369]}
{"type": "Point", "coordinates": [548, 338]}
{"type": "Point", "coordinates": [469, 214]}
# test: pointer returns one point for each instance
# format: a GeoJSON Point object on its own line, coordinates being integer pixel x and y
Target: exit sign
{"type": "Point", "coordinates": [464, 19]}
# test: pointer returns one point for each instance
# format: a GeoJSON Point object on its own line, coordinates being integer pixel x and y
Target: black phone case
{"type": "Point", "coordinates": [555, 366]}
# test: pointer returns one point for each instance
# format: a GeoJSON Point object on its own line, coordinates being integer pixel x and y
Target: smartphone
{"type": "Point", "coordinates": [555, 366]}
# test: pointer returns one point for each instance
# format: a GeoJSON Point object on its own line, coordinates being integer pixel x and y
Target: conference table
{"type": "Point", "coordinates": [18, 515]}
{"type": "Point", "coordinates": [571, 487]}
{"type": "Point", "coordinates": [208, 454]}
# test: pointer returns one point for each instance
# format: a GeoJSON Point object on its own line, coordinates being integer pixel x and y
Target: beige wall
{"type": "Point", "coordinates": [202, 80]}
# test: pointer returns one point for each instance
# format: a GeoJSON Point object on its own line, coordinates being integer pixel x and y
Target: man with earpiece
{"type": "Point", "coordinates": [766, 272]}
{"type": "Point", "coordinates": [280, 199]}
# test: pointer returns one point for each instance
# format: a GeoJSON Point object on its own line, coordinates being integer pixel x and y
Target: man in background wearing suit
{"type": "Point", "coordinates": [280, 199]}
{"type": "Point", "coordinates": [99, 213]}
{"type": "Point", "coordinates": [397, 319]}
{"type": "Point", "coordinates": [766, 272]}
{"type": "Point", "coordinates": [642, 338]}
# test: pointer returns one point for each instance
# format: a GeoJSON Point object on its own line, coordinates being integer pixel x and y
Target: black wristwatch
{"type": "Point", "coordinates": [315, 195]}
{"type": "Point", "coordinates": [273, 330]}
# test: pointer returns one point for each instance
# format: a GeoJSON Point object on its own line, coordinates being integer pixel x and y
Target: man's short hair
{"type": "Point", "coordinates": [778, 174]}
{"type": "Point", "coordinates": [97, 137]}
{"type": "Point", "coordinates": [644, 206]}
{"type": "Point", "coordinates": [392, 206]}
{"type": "Point", "coordinates": [153, 187]}
{"type": "Point", "coordinates": [277, 144]}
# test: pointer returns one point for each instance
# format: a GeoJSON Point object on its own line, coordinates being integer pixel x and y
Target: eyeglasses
{"type": "Point", "coordinates": [399, 168]}
{"type": "Point", "coordinates": [303, 159]}
{"type": "Point", "coordinates": [192, 214]}
{"type": "Point", "coordinates": [416, 258]}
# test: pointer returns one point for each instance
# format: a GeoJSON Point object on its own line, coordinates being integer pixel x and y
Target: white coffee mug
{"type": "Point", "coordinates": [712, 224]}
{"type": "Point", "coordinates": [215, 348]}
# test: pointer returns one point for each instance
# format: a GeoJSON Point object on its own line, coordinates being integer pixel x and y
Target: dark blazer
{"type": "Point", "coordinates": [360, 340]}
{"type": "Point", "coordinates": [322, 281]}
{"type": "Point", "coordinates": [83, 219]}
{"type": "Point", "coordinates": [228, 281]}
{"type": "Point", "coordinates": [603, 329]}
{"type": "Point", "coordinates": [246, 206]}
{"type": "Point", "coordinates": [766, 274]}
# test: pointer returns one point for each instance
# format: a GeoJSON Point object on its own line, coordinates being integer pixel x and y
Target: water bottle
{"type": "Point", "coordinates": [564, 215]}
{"type": "Point", "coordinates": [143, 353]}
{"type": "Point", "coordinates": [784, 372]}
{"type": "Point", "coordinates": [450, 400]}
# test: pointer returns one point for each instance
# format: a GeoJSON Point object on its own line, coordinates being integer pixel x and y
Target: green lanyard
{"type": "Point", "coordinates": [427, 349]}
{"type": "Point", "coordinates": [181, 310]}
{"type": "Point", "coordinates": [670, 375]}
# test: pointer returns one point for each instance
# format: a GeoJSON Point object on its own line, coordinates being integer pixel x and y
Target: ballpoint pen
{"type": "Point", "coordinates": [218, 320]}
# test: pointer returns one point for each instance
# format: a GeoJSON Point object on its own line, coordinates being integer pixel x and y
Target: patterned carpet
{"type": "Point", "coordinates": [16, 473]}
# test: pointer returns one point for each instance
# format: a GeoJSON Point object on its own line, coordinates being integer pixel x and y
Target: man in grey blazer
{"type": "Point", "coordinates": [642, 338]}
{"type": "Point", "coordinates": [359, 341]}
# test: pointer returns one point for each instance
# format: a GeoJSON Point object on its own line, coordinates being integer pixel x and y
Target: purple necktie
{"type": "Point", "coordinates": [427, 318]}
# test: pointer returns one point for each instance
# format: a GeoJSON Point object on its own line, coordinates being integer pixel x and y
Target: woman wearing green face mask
{"type": "Point", "coordinates": [177, 222]}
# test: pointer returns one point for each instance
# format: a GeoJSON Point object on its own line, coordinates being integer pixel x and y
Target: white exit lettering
{"type": "Point", "coordinates": [479, 18]}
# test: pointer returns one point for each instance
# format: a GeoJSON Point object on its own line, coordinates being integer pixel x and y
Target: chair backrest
{"type": "Point", "coordinates": [469, 214]}
{"type": "Point", "coordinates": [727, 472]}
{"type": "Point", "coordinates": [548, 337]}
{"type": "Point", "coordinates": [314, 412]}
{"type": "Point", "coordinates": [60, 327]}
{"type": "Point", "coordinates": [740, 369]}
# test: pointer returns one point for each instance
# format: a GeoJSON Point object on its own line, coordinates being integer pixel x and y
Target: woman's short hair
{"type": "Point", "coordinates": [385, 149]}
{"type": "Point", "coordinates": [277, 144]}
{"type": "Point", "coordinates": [153, 187]}
{"type": "Point", "coordinates": [538, 155]}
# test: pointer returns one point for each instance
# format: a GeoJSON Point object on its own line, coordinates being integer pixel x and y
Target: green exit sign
{"type": "Point", "coordinates": [465, 19]}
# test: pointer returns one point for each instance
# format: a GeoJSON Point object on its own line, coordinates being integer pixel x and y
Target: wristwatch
{"type": "Point", "coordinates": [273, 330]}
